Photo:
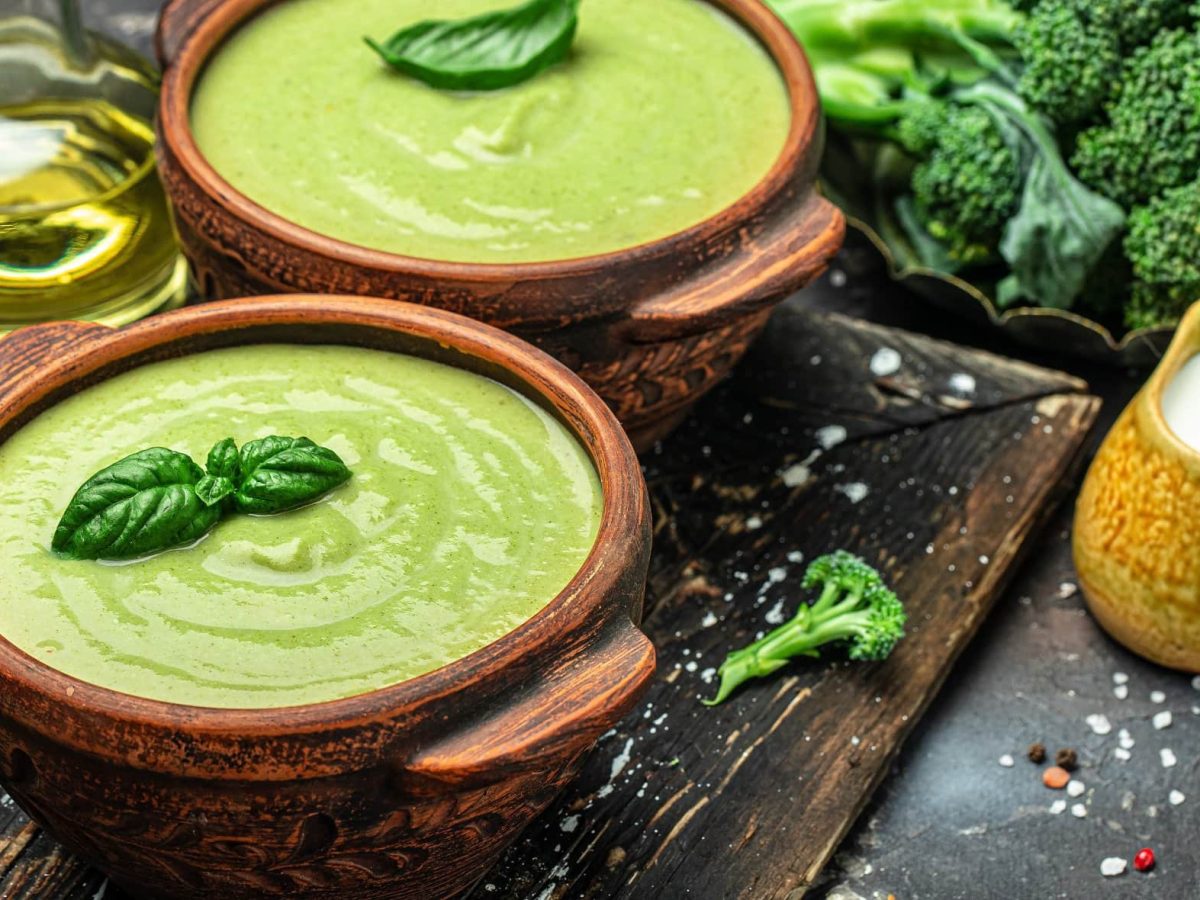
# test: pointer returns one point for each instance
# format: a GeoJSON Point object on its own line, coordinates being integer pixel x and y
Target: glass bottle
{"type": "Point", "coordinates": [85, 229]}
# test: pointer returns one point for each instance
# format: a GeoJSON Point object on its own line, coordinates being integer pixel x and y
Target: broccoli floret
{"type": "Point", "coordinates": [1151, 141]}
{"type": "Point", "coordinates": [1163, 246]}
{"type": "Point", "coordinates": [854, 607]}
{"type": "Point", "coordinates": [1070, 58]}
{"type": "Point", "coordinates": [967, 185]}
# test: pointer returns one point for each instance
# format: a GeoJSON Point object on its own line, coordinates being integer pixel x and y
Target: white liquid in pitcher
{"type": "Point", "coordinates": [1181, 403]}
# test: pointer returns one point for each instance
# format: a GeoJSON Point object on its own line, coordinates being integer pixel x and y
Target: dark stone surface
{"type": "Point", "coordinates": [950, 822]}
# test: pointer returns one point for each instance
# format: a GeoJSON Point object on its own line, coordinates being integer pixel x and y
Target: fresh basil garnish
{"type": "Point", "coordinates": [143, 503]}
{"type": "Point", "coordinates": [281, 473]}
{"type": "Point", "coordinates": [157, 499]}
{"type": "Point", "coordinates": [485, 52]}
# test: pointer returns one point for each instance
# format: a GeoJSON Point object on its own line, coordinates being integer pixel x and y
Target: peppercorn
{"type": "Point", "coordinates": [1066, 758]}
{"type": "Point", "coordinates": [1037, 753]}
{"type": "Point", "coordinates": [1144, 861]}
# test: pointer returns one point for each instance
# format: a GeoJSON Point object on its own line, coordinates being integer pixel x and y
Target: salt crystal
{"type": "Point", "coordinates": [886, 361]}
{"type": "Point", "coordinates": [962, 383]}
{"type": "Point", "coordinates": [855, 492]}
{"type": "Point", "coordinates": [1162, 719]}
{"type": "Point", "coordinates": [1158, 697]}
{"type": "Point", "coordinates": [1168, 758]}
{"type": "Point", "coordinates": [1007, 761]}
{"type": "Point", "coordinates": [753, 523]}
{"type": "Point", "coordinates": [1112, 867]}
{"type": "Point", "coordinates": [1120, 678]}
{"type": "Point", "coordinates": [1125, 739]}
{"type": "Point", "coordinates": [1099, 724]}
{"type": "Point", "coordinates": [831, 435]}
{"type": "Point", "coordinates": [796, 475]}
{"type": "Point", "coordinates": [1122, 754]}
{"type": "Point", "coordinates": [1057, 807]}
{"type": "Point", "coordinates": [1121, 691]}
{"type": "Point", "coordinates": [1196, 683]}
{"type": "Point", "coordinates": [1079, 811]}
{"type": "Point", "coordinates": [1067, 589]}
{"type": "Point", "coordinates": [1075, 788]}
{"type": "Point", "coordinates": [1176, 797]}
{"type": "Point", "coordinates": [709, 620]}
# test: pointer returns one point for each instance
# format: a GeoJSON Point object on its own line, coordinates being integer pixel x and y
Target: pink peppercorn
{"type": "Point", "coordinates": [1144, 861]}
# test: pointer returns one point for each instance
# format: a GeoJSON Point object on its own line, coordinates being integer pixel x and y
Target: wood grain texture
{"type": "Point", "coordinates": [749, 799]}
{"type": "Point", "coordinates": [409, 791]}
{"type": "Point", "coordinates": [651, 327]}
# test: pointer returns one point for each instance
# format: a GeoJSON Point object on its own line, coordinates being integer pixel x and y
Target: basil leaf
{"type": "Point", "coordinates": [212, 491]}
{"type": "Point", "coordinates": [141, 504]}
{"type": "Point", "coordinates": [485, 52]}
{"type": "Point", "coordinates": [223, 461]}
{"type": "Point", "coordinates": [280, 473]}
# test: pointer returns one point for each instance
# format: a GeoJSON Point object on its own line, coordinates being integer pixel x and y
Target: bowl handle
{"type": "Point", "coordinates": [759, 275]}
{"type": "Point", "coordinates": [29, 348]}
{"type": "Point", "coordinates": [177, 20]}
{"type": "Point", "coordinates": [555, 720]}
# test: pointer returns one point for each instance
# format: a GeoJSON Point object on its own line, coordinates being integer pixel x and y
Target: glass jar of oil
{"type": "Point", "coordinates": [85, 230]}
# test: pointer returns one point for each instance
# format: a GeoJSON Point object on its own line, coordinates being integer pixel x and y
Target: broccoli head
{"type": "Point", "coordinates": [1163, 246]}
{"type": "Point", "coordinates": [1070, 60]}
{"type": "Point", "coordinates": [967, 185]}
{"type": "Point", "coordinates": [1151, 141]}
{"type": "Point", "coordinates": [854, 608]}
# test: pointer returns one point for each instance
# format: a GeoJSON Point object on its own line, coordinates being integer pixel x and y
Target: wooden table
{"type": "Point", "coordinates": [949, 821]}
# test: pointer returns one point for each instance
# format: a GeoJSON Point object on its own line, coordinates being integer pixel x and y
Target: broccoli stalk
{"type": "Point", "coordinates": [854, 607]}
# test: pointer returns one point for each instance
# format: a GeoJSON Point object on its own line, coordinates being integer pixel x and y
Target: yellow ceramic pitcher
{"type": "Point", "coordinates": [1137, 525]}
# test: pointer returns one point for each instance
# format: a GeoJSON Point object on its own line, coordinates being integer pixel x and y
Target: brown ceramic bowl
{"type": "Point", "coordinates": [650, 328]}
{"type": "Point", "coordinates": [409, 791]}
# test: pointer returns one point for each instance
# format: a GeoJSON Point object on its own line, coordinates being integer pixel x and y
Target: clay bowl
{"type": "Point", "coordinates": [1137, 536]}
{"type": "Point", "coordinates": [651, 328]}
{"type": "Point", "coordinates": [410, 791]}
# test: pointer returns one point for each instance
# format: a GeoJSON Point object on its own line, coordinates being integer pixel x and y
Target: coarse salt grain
{"type": "Point", "coordinates": [1121, 691]}
{"type": "Point", "coordinates": [1099, 724]}
{"type": "Point", "coordinates": [1007, 761]}
{"type": "Point", "coordinates": [1125, 739]}
{"type": "Point", "coordinates": [1176, 797]}
{"type": "Point", "coordinates": [1120, 678]}
{"type": "Point", "coordinates": [1058, 807]}
{"type": "Point", "coordinates": [886, 361]}
{"type": "Point", "coordinates": [1112, 867]}
{"type": "Point", "coordinates": [1196, 682]}
{"type": "Point", "coordinates": [1158, 697]}
{"type": "Point", "coordinates": [1075, 788]}
{"type": "Point", "coordinates": [1122, 754]}
{"type": "Point", "coordinates": [1162, 720]}
{"type": "Point", "coordinates": [1168, 758]}
{"type": "Point", "coordinates": [1079, 811]}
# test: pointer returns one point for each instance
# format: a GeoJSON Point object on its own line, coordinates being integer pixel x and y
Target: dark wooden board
{"type": "Point", "coordinates": [750, 799]}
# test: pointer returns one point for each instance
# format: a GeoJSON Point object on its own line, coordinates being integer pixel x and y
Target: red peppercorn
{"type": "Point", "coordinates": [1144, 861]}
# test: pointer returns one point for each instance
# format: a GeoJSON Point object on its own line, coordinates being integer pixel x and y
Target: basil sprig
{"type": "Point", "coordinates": [485, 52]}
{"type": "Point", "coordinates": [157, 499]}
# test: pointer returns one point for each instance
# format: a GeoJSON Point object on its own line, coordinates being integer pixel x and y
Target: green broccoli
{"type": "Point", "coordinates": [967, 185]}
{"type": "Point", "coordinates": [1163, 246]}
{"type": "Point", "coordinates": [980, 192]}
{"type": "Point", "coordinates": [1151, 141]}
{"type": "Point", "coordinates": [854, 607]}
{"type": "Point", "coordinates": [1070, 56]}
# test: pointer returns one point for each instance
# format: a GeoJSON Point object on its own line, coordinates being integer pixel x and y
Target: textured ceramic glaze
{"type": "Point", "coordinates": [651, 328]}
{"type": "Point", "coordinates": [411, 791]}
{"type": "Point", "coordinates": [1137, 530]}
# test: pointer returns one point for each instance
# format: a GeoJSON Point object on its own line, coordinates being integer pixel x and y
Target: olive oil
{"type": "Point", "coordinates": [85, 230]}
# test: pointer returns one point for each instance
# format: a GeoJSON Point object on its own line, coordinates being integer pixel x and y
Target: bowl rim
{"type": "Point", "coordinates": [104, 353]}
{"type": "Point", "coordinates": [175, 132]}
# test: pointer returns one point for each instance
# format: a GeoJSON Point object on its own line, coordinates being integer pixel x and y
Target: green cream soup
{"type": "Point", "coordinates": [469, 509]}
{"type": "Point", "coordinates": [666, 112]}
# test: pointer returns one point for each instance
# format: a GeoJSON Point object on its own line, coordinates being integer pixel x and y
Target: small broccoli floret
{"type": "Point", "coordinates": [1163, 246]}
{"type": "Point", "coordinates": [1151, 141]}
{"type": "Point", "coordinates": [967, 185]}
{"type": "Point", "coordinates": [854, 608]}
{"type": "Point", "coordinates": [1071, 59]}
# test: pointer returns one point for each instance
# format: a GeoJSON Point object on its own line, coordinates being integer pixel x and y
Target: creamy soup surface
{"type": "Point", "coordinates": [469, 509]}
{"type": "Point", "coordinates": [665, 113]}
